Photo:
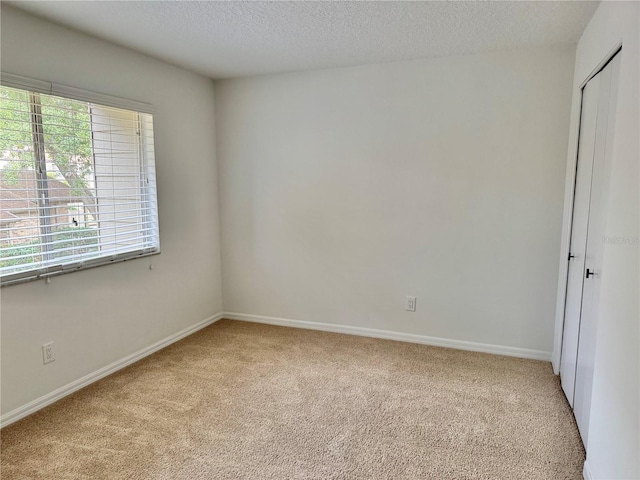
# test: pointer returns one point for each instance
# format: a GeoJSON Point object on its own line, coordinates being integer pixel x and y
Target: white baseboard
{"type": "Point", "coordinates": [39, 403]}
{"type": "Point", "coordinates": [54, 396]}
{"type": "Point", "coordinates": [586, 471]}
{"type": "Point", "coordinates": [389, 335]}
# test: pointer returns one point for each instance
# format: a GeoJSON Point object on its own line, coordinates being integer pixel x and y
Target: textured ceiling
{"type": "Point", "coordinates": [228, 39]}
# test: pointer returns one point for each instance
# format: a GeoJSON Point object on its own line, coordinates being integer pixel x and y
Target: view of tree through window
{"type": "Point", "coordinates": [76, 181]}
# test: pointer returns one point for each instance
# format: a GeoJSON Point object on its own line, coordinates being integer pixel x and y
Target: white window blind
{"type": "Point", "coordinates": [77, 184]}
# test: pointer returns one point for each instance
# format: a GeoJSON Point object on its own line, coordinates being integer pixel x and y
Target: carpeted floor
{"type": "Point", "coordinates": [248, 401]}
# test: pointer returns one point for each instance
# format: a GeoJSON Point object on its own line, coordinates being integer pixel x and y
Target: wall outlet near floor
{"type": "Point", "coordinates": [47, 353]}
{"type": "Point", "coordinates": [410, 304]}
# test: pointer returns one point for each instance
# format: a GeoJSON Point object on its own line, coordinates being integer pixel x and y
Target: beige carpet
{"type": "Point", "coordinates": [247, 401]}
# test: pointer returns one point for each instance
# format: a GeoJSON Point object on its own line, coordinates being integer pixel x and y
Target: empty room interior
{"type": "Point", "coordinates": [320, 240]}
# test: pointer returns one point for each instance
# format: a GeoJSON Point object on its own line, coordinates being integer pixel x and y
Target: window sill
{"type": "Point", "coordinates": [27, 277]}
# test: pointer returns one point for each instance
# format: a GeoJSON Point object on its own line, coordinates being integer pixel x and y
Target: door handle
{"type": "Point", "coordinates": [590, 273]}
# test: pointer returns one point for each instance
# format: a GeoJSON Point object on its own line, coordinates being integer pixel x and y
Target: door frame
{"type": "Point", "coordinates": [567, 217]}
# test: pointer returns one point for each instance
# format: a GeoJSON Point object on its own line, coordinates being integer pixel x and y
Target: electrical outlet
{"type": "Point", "coordinates": [410, 304]}
{"type": "Point", "coordinates": [47, 353]}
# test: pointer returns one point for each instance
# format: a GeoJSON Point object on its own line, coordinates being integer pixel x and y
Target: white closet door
{"type": "Point", "coordinates": [597, 120]}
{"type": "Point", "coordinates": [595, 245]}
{"type": "Point", "coordinates": [580, 222]}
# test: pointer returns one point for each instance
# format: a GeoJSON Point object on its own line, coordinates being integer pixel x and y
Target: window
{"type": "Point", "coordinates": [77, 184]}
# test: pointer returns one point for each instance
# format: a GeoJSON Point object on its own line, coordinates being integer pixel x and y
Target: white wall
{"type": "Point", "coordinates": [613, 451]}
{"type": "Point", "coordinates": [98, 316]}
{"type": "Point", "coordinates": [344, 190]}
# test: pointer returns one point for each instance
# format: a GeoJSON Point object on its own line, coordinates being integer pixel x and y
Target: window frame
{"type": "Point", "coordinates": [49, 88]}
